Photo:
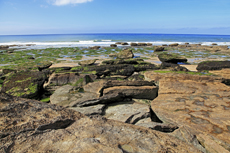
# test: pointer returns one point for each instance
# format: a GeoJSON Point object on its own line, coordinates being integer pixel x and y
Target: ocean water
{"type": "Point", "coordinates": [86, 40]}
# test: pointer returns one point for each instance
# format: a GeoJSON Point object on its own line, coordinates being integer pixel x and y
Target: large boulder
{"type": "Point", "coordinates": [27, 84]}
{"type": "Point", "coordinates": [171, 58]}
{"type": "Point", "coordinates": [213, 65]}
{"type": "Point", "coordinates": [31, 126]}
{"type": "Point", "coordinates": [133, 44]}
{"type": "Point", "coordinates": [125, 54]}
{"type": "Point", "coordinates": [200, 105]}
{"type": "Point", "coordinates": [173, 44]}
{"type": "Point", "coordinates": [141, 44]}
{"type": "Point", "coordinates": [113, 45]}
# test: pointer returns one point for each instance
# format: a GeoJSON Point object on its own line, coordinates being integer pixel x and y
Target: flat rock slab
{"type": "Point", "coordinates": [128, 112]}
{"type": "Point", "coordinates": [201, 106]}
{"type": "Point", "coordinates": [68, 97]}
{"type": "Point", "coordinates": [31, 126]}
{"type": "Point", "coordinates": [138, 92]}
{"type": "Point", "coordinates": [90, 110]}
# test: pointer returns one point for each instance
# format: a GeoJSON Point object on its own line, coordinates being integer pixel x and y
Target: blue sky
{"type": "Point", "coordinates": [114, 16]}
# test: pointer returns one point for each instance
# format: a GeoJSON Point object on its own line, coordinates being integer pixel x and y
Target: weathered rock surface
{"type": "Point", "coordinates": [171, 58]}
{"type": "Point", "coordinates": [87, 62]}
{"type": "Point", "coordinates": [138, 92]}
{"type": "Point", "coordinates": [26, 84]}
{"type": "Point", "coordinates": [133, 44]}
{"type": "Point", "coordinates": [113, 45]}
{"type": "Point", "coordinates": [174, 44]}
{"type": "Point", "coordinates": [68, 96]}
{"type": "Point", "coordinates": [90, 110]}
{"type": "Point", "coordinates": [213, 65]}
{"type": "Point", "coordinates": [127, 112]}
{"type": "Point", "coordinates": [58, 79]}
{"type": "Point", "coordinates": [200, 105]}
{"type": "Point", "coordinates": [95, 47]}
{"type": "Point", "coordinates": [43, 65]}
{"type": "Point", "coordinates": [159, 49]}
{"type": "Point", "coordinates": [125, 54]}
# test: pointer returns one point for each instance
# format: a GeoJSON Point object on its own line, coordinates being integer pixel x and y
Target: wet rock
{"type": "Point", "coordinates": [124, 43]}
{"type": "Point", "coordinates": [43, 65]}
{"type": "Point", "coordinates": [149, 44]}
{"type": "Point", "coordinates": [122, 61]}
{"type": "Point", "coordinates": [158, 49]}
{"type": "Point", "coordinates": [3, 47]}
{"type": "Point", "coordinates": [95, 47]}
{"type": "Point", "coordinates": [87, 62]}
{"type": "Point", "coordinates": [141, 44]}
{"type": "Point", "coordinates": [6, 71]}
{"type": "Point", "coordinates": [173, 67]}
{"type": "Point", "coordinates": [26, 84]}
{"type": "Point", "coordinates": [113, 45]}
{"type": "Point", "coordinates": [31, 126]}
{"type": "Point", "coordinates": [133, 44]}
{"type": "Point", "coordinates": [171, 58]}
{"type": "Point", "coordinates": [125, 54]}
{"type": "Point", "coordinates": [213, 65]}
{"type": "Point", "coordinates": [214, 44]}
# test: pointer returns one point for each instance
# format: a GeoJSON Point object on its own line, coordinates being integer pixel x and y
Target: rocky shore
{"type": "Point", "coordinates": [118, 102]}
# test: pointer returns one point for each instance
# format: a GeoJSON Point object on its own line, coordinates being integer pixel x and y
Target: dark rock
{"type": "Point", "coordinates": [122, 61]}
{"type": "Point", "coordinates": [133, 44]}
{"type": "Point", "coordinates": [164, 45]}
{"type": "Point", "coordinates": [43, 65]}
{"type": "Point", "coordinates": [171, 58]}
{"type": "Point", "coordinates": [159, 49]}
{"type": "Point", "coordinates": [124, 43]}
{"type": "Point", "coordinates": [213, 65]}
{"type": "Point", "coordinates": [136, 77]}
{"type": "Point", "coordinates": [145, 67]}
{"type": "Point", "coordinates": [174, 67]}
{"type": "Point", "coordinates": [4, 47]}
{"type": "Point", "coordinates": [141, 44]}
{"type": "Point", "coordinates": [118, 43]}
{"type": "Point", "coordinates": [25, 84]}
{"type": "Point", "coordinates": [113, 45]}
{"type": "Point", "coordinates": [214, 44]}
{"type": "Point", "coordinates": [95, 47]}
{"type": "Point", "coordinates": [6, 71]}
{"type": "Point", "coordinates": [149, 44]}
{"type": "Point", "coordinates": [30, 57]}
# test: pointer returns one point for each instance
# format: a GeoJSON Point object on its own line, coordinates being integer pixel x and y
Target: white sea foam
{"type": "Point", "coordinates": [88, 43]}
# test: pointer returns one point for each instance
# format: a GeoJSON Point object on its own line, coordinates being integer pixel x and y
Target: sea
{"type": "Point", "coordinates": [102, 39]}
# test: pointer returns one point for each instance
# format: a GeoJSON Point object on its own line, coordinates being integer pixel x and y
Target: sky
{"type": "Point", "coordinates": [18, 17]}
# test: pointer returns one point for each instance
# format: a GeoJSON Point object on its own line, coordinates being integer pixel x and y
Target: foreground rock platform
{"type": "Point", "coordinates": [31, 126]}
{"type": "Point", "coordinates": [200, 104]}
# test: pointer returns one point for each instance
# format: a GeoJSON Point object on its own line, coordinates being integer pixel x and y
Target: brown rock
{"type": "Point", "coordinates": [113, 45]}
{"type": "Point", "coordinates": [159, 49]}
{"type": "Point", "coordinates": [133, 44]}
{"type": "Point", "coordinates": [125, 54]}
{"type": "Point", "coordinates": [141, 44]}
{"type": "Point", "coordinates": [201, 106]}
{"type": "Point", "coordinates": [124, 43]}
{"type": "Point", "coordinates": [149, 44]}
{"type": "Point", "coordinates": [31, 126]}
{"type": "Point", "coordinates": [173, 45]}
{"type": "Point", "coordinates": [87, 62]}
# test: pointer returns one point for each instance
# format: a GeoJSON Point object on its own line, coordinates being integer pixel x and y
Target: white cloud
{"type": "Point", "coordinates": [66, 2]}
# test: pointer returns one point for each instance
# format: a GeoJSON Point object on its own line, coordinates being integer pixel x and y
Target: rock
{"type": "Point", "coordinates": [133, 44]}
{"type": "Point", "coordinates": [95, 47]}
{"type": "Point", "coordinates": [113, 45]}
{"type": "Point", "coordinates": [186, 43]}
{"type": "Point", "coordinates": [30, 57]}
{"type": "Point", "coordinates": [158, 49]}
{"type": "Point", "coordinates": [182, 46]}
{"type": "Point", "coordinates": [136, 77]}
{"type": "Point", "coordinates": [149, 44]}
{"type": "Point", "coordinates": [122, 61]}
{"type": "Point", "coordinates": [173, 67]}
{"type": "Point", "coordinates": [138, 92]}
{"type": "Point", "coordinates": [141, 44]}
{"type": "Point", "coordinates": [118, 43]}
{"type": "Point", "coordinates": [214, 44]}
{"type": "Point", "coordinates": [31, 126]}
{"type": "Point", "coordinates": [127, 112]}
{"type": "Point", "coordinates": [78, 80]}
{"type": "Point", "coordinates": [173, 44]}
{"type": "Point", "coordinates": [90, 110]}
{"type": "Point", "coordinates": [43, 65]}
{"type": "Point", "coordinates": [164, 45]}
{"type": "Point", "coordinates": [124, 43]}
{"type": "Point", "coordinates": [213, 65]}
{"type": "Point", "coordinates": [68, 96]}
{"type": "Point", "coordinates": [6, 71]}
{"type": "Point", "coordinates": [203, 107]}
{"type": "Point", "coordinates": [3, 47]}
{"type": "Point", "coordinates": [125, 54]}
{"type": "Point", "coordinates": [171, 58]}
{"type": "Point", "coordinates": [87, 62]}
{"type": "Point", "coordinates": [26, 84]}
